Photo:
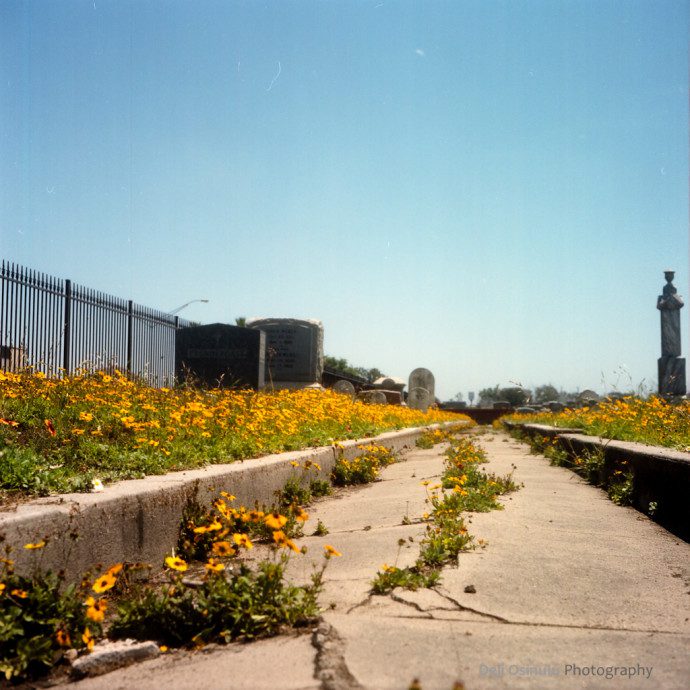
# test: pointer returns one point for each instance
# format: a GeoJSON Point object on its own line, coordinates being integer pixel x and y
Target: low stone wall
{"type": "Point", "coordinates": [481, 415]}
{"type": "Point", "coordinates": [661, 476]}
{"type": "Point", "coordinates": [138, 520]}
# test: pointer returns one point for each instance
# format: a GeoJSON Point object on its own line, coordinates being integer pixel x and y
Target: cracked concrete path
{"type": "Point", "coordinates": [570, 587]}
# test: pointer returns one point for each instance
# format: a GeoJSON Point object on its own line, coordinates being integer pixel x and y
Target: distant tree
{"type": "Point", "coordinates": [489, 395]}
{"type": "Point", "coordinates": [342, 365]}
{"type": "Point", "coordinates": [335, 363]}
{"type": "Point", "coordinates": [241, 321]}
{"type": "Point", "coordinates": [515, 395]}
{"type": "Point", "coordinates": [546, 393]}
{"type": "Point", "coordinates": [457, 398]}
{"type": "Point", "coordinates": [373, 374]}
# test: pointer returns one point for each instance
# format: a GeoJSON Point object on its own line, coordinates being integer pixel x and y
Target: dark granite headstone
{"type": "Point", "coordinates": [294, 350]}
{"type": "Point", "coordinates": [220, 354]}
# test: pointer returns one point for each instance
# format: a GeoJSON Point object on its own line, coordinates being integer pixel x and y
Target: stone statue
{"type": "Point", "coordinates": [670, 304]}
{"type": "Point", "coordinates": [671, 365]}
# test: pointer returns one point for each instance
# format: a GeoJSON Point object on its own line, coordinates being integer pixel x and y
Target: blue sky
{"type": "Point", "coordinates": [491, 190]}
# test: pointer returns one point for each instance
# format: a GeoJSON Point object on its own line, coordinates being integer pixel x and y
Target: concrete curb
{"type": "Point", "coordinates": [661, 476]}
{"type": "Point", "coordinates": [138, 520]}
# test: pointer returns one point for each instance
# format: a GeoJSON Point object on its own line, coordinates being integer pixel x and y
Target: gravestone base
{"type": "Point", "coordinates": [419, 399]}
{"type": "Point", "coordinates": [393, 397]}
{"type": "Point", "coordinates": [372, 397]}
{"type": "Point", "coordinates": [672, 376]}
{"type": "Point", "coordinates": [292, 385]}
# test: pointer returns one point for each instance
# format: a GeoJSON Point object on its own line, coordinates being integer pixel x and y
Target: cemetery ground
{"type": "Point", "coordinates": [561, 588]}
{"type": "Point", "coordinates": [65, 435]}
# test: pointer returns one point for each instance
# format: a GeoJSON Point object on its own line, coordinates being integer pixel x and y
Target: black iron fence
{"type": "Point", "coordinates": [56, 326]}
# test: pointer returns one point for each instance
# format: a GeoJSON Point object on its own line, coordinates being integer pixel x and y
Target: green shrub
{"type": "Point", "coordinates": [40, 619]}
{"type": "Point", "coordinates": [364, 468]}
{"type": "Point", "coordinates": [226, 606]}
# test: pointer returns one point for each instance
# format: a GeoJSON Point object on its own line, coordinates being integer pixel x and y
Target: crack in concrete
{"type": "Point", "coordinates": [573, 626]}
{"type": "Point", "coordinates": [329, 665]}
{"type": "Point", "coordinates": [369, 528]}
{"type": "Point", "coordinates": [412, 604]}
{"type": "Point", "coordinates": [364, 602]}
{"type": "Point", "coordinates": [461, 607]}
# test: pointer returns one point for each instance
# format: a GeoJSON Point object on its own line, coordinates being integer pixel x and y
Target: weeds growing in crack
{"type": "Point", "coordinates": [363, 469]}
{"type": "Point", "coordinates": [463, 488]}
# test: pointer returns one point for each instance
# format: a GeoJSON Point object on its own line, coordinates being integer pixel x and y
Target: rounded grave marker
{"type": "Point", "coordinates": [419, 399]}
{"type": "Point", "coordinates": [344, 387]}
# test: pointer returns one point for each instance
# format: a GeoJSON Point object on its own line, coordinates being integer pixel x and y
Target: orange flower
{"type": "Point", "coordinates": [96, 609]}
{"type": "Point", "coordinates": [283, 542]}
{"type": "Point", "coordinates": [330, 551]}
{"type": "Point", "coordinates": [20, 593]}
{"type": "Point", "coordinates": [49, 426]}
{"type": "Point", "coordinates": [63, 639]}
{"type": "Point", "coordinates": [87, 639]}
{"type": "Point", "coordinates": [223, 548]}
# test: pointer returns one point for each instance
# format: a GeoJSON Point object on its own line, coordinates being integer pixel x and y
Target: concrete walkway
{"type": "Point", "coordinates": [571, 588]}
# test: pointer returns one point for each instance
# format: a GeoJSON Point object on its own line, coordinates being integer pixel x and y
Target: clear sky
{"type": "Point", "coordinates": [491, 190]}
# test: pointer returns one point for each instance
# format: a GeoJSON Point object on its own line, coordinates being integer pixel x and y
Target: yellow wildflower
{"type": "Point", "coordinates": [104, 583]}
{"type": "Point", "coordinates": [242, 540]}
{"type": "Point", "coordinates": [214, 565]}
{"type": "Point", "coordinates": [275, 520]}
{"type": "Point", "coordinates": [37, 545]}
{"type": "Point", "coordinates": [176, 563]}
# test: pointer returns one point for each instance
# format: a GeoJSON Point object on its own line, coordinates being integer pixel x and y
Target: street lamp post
{"type": "Point", "coordinates": [186, 304]}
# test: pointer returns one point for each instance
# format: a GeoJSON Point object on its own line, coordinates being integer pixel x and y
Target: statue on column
{"type": "Point", "coordinates": [671, 365]}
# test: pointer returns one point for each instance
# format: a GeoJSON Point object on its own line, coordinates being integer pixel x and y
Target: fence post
{"type": "Point", "coordinates": [67, 327]}
{"type": "Point", "coordinates": [130, 334]}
